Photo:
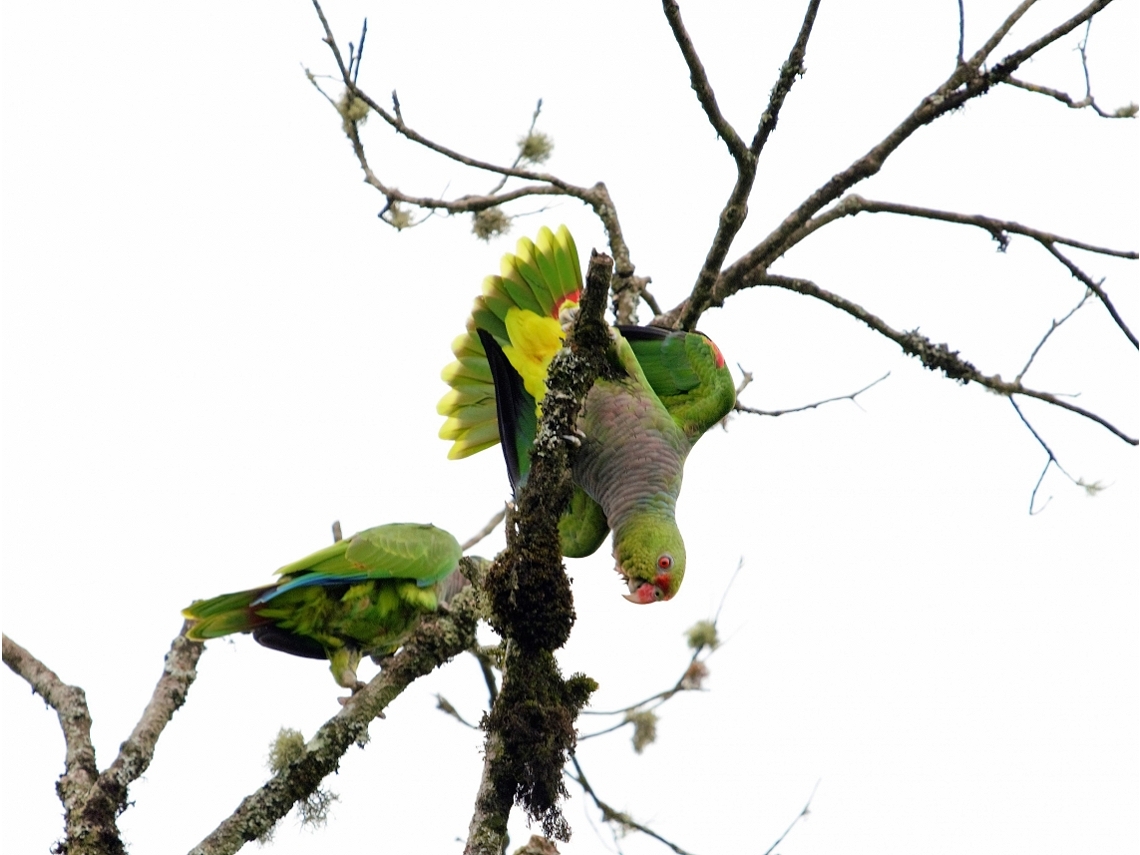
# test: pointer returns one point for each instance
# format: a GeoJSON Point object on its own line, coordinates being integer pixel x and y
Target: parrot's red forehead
{"type": "Point", "coordinates": [665, 582]}
{"type": "Point", "coordinates": [716, 352]}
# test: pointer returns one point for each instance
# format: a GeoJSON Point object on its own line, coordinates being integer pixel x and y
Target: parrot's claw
{"type": "Point", "coordinates": [573, 440]}
{"type": "Point", "coordinates": [354, 688]}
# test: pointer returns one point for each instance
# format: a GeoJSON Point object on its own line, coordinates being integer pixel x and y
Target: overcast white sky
{"type": "Point", "coordinates": [212, 349]}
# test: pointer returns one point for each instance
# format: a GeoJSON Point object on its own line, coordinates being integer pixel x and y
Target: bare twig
{"type": "Point", "coordinates": [1096, 288]}
{"type": "Point", "coordinates": [961, 32]}
{"type": "Point", "coordinates": [935, 357]}
{"type": "Point", "coordinates": [969, 80]}
{"type": "Point", "coordinates": [700, 83]}
{"type": "Point", "coordinates": [445, 706]}
{"type": "Point", "coordinates": [609, 814]}
{"type": "Point", "coordinates": [735, 210]}
{"type": "Point", "coordinates": [853, 204]}
{"type": "Point", "coordinates": [1000, 230]}
{"type": "Point", "coordinates": [849, 397]}
{"type": "Point", "coordinates": [1049, 332]}
{"type": "Point", "coordinates": [486, 665]}
{"type": "Point", "coordinates": [491, 525]}
{"type": "Point", "coordinates": [1127, 112]}
{"type": "Point", "coordinates": [801, 815]}
{"type": "Point", "coordinates": [544, 183]}
{"type": "Point", "coordinates": [1052, 461]}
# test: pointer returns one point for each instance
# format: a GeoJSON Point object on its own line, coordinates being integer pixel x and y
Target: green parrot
{"type": "Point", "coordinates": [360, 596]}
{"type": "Point", "coordinates": [636, 429]}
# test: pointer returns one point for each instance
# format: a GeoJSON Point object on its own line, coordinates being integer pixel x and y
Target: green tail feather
{"type": "Point", "coordinates": [224, 615]}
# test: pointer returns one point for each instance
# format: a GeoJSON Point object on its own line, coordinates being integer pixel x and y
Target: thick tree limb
{"type": "Point", "coordinates": [530, 728]}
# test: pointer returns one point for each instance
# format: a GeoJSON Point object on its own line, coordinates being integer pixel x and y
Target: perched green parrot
{"type": "Point", "coordinates": [636, 429]}
{"type": "Point", "coordinates": [360, 596]}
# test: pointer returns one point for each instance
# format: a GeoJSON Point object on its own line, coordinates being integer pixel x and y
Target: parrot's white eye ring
{"type": "Point", "coordinates": [664, 561]}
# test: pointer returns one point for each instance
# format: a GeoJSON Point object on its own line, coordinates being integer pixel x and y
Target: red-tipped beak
{"type": "Point", "coordinates": [645, 593]}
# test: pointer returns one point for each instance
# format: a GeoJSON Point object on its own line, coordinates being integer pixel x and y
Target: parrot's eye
{"type": "Point", "coordinates": [665, 561]}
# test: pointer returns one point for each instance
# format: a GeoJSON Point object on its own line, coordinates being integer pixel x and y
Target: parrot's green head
{"type": "Point", "coordinates": [650, 557]}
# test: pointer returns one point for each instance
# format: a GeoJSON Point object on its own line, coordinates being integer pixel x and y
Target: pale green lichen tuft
{"type": "Point", "coordinates": [489, 223]}
{"type": "Point", "coordinates": [644, 728]}
{"type": "Point", "coordinates": [353, 111]}
{"type": "Point", "coordinates": [1092, 490]}
{"type": "Point", "coordinates": [1128, 111]}
{"type": "Point", "coordinates": [398, 218]}
{"type": "Point", "coordinates": [702, 634]}
{"type": "Point", "coordinates": [288, 747]}
{"type": "Point", "coordinates": [535, 147]}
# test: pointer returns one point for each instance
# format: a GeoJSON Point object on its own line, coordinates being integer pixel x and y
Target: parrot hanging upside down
{"type": "Point", "coordinates": [360, 596]}
{"type": "Point", "coordinates": [637, 428]}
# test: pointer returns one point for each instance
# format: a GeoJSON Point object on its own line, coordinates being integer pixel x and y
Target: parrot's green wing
{"type": "Point", "coordinates": [422, 553]}
{"type": "Point", "coordinates": [688, 373]}
{"type": "Point", "coordinates": [363, 595]}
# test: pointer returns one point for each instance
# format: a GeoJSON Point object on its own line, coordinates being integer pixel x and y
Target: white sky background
{"type": "Point", "coordinates": [212, 349]}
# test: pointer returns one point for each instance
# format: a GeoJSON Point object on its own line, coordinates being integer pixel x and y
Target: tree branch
{"type": "Point", "coordinates": [700, 83]}
{"type": "Point", "coordinates": [803, 813]}
{"type": "Point", "coordinates": [853, 204]}
{"type": "Point", "coordinates": [609, 814]}
{"type": "Point", "coordinates": [530, 728]}
{"type": "Point", "coordinates": [1096, 288]}
{"type": "Point", "coordinates": [70, 704]}
{"type": "Point", "coordinates": [1127, 112]}
{"type": "Point", "coordinates": [596, 197]}
{"type": "Point", "coordinates": [437, 639]}
{"type": "Point", "coordinates": [92, 802]}
{"type": "Point", "coordinates": [968, 81]}
{"type": "Point", "coordinates": [740, 408]}
{"type": "Point", "coordinates": [735, 210]}
{"type": "Point", "coordinates": [135, 755]}
{"type": "Point", "coordinates": [491, 525]}
{"type": "Point", "coordinates": [1000, 230]}
{"type": "Point", "coordinates": [935, 357]}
